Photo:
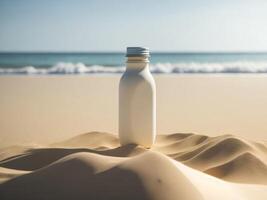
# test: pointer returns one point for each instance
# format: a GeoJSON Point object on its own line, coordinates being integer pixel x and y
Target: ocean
{"type": "Point", "coordinates": [110, 63]}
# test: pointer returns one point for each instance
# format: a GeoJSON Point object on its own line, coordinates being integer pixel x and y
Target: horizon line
{"type": "Point", "coordinates": [123, 52]}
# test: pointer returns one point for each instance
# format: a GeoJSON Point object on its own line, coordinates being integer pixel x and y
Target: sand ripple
{"type": "Point", "coordinates": [95, 166]}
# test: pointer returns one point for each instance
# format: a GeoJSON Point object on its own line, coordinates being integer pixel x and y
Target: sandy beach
{"type": "Point", "coordinates": [94, 166]}
{"type": "Point", "coordinates": [59, 139]}
{"type": "Point", "coordinates": [44, 109]}
{"type": "Point", "coordinates": [133, 100]}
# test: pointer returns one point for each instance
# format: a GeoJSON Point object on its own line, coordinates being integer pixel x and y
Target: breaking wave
{"type": "Point", "coordinates": [161, 68]}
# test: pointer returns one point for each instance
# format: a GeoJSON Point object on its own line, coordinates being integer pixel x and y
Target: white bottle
{"type": "Point", "coordinates": [137, 100]}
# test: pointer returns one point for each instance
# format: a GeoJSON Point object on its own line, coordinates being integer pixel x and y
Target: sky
{"type": "Point", "coordinates": [105, 25]}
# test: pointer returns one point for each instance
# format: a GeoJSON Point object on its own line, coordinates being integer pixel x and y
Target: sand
{"type": "Point", "coordinates": [211, 141]}
{"type": "Point", "coordinates": [179, 166]}
{"type": "Point", "coordinates": [45, 109]}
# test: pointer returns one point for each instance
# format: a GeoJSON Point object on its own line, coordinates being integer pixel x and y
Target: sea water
{"type": "Point", "coordinates": [110, 63]}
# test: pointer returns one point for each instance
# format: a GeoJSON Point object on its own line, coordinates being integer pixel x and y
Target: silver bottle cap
{"type": "Point", "coordinates": [137, 51]}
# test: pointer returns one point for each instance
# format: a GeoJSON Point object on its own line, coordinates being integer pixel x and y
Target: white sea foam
{"type": "Point", "coordinates": [162, 68]}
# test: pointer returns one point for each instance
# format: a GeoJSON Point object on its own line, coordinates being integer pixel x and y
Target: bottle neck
{"type": "Point", "coordinates": [137, 63]}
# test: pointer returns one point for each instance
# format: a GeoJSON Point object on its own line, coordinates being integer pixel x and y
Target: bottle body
{"type": "Point", "coordinates": [137, 104]}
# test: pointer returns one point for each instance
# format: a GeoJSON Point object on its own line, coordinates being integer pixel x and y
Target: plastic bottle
{"type": "Point", "coordinates": [137, 100]}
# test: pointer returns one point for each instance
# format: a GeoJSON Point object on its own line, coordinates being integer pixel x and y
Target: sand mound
{"type": "Point", "coordinates": [95, 166]}
{"type": "Point", "coordinates": [92, 176]}
{"type": "Point", "coordinates": [215, 155]}
{"type": "Point", "coordinates": [212, 155]}
{"type": "Point", "coordinates": [247, 163]}
{"type": "Point", "coordinates": [37, 158]}
{"type": "Point", "coordinates": [6, 174]}
{"type": "Point", "coordinates": [218, 152]}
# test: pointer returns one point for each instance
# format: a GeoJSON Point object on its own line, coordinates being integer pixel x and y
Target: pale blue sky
{"type": "Point", "coordinates": [111, 25]}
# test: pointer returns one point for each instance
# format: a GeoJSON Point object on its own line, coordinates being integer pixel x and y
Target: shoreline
{"type": "Point", "coordinates": [154, 74]}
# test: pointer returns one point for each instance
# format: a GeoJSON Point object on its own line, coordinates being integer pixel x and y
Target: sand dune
{"type": "Point", "coordinates": [91, 176]}
{"type": "Point", "coordinates": [6, 173]}
{"type": "Point", "coordinates": [95, 166]}
{"type": "Point", "coordinates": [244, 168]}
{"type": "Point", "coordinates": [227, 157]}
